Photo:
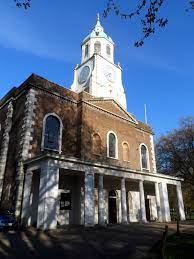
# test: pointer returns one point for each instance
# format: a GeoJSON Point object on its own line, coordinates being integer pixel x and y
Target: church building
{"type": "Point", "coordinates": [77, 156]}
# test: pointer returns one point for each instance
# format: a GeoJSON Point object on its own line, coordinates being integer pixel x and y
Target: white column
{"type": "Point", "coordinates": [82, 200]}
{"type": "Point", "coordinates": [101, 201]}
{"type": "Point", "coordinates": [89, 199]}
{"type": "Point", "coordinates": [165, 208]}
{"type": "Point", "coordinates": [142, 202]}
{"type": "Point", "coordinates": [25, 217]}
{"type": "Point", "coordinates": [123, 201]}
{"type": "Point", "coordinates": [158, 206]}
{"type": "Point", "coordinates": [48, 198]}
{"type": "Point", "coordinates": [180, 201]}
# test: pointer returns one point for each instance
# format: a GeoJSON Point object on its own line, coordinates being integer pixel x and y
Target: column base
{"type": "Point", "coordinates": [125, 223]}
{"type": "Point", "coordinates": [143, 221]}
{"type": "Point", "coordinates": [89, 225]}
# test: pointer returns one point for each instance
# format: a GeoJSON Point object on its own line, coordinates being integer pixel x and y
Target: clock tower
{"type": "Point", "coordinates": [98, 74]}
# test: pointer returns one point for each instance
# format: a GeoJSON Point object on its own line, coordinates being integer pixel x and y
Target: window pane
{"type": "Point", "coordinates": [108, 50]}
{"type": "Point", "coordinates": [86, 51]}
{"type": "Point", "coordinates": [144, 157]}
{"type": "Point", "coordinates": [97, 47]}
{"type": "Point", "coordinates": [112, 145]}
{"type": "Point", "coordinates": [52, 133]}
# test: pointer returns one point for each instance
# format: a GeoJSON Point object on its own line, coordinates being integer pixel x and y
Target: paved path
{"type": "Point", "coordinates": [130, 241]}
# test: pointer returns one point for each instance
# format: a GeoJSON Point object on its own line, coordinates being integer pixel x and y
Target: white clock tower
{"type": "Point", "coordinates": [98, 74]}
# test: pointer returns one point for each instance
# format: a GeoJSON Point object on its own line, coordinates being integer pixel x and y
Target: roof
{"type": "Point", "coordinates": [98, 32]}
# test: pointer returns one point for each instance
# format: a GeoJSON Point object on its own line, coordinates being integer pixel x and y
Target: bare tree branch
{"type": "Point", "coordinates": [148, 12]}
{"type": "Point", "coordinates": [23, 3]}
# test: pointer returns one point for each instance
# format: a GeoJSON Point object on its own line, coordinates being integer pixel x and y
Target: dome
{"type": "Point", "coordinates": [98, 32]}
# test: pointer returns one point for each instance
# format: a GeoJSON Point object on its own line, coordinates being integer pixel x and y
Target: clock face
{"type": "Point", "coordinates": [109, 74]}
{"type": "Point", "coordinates": [84, 75]}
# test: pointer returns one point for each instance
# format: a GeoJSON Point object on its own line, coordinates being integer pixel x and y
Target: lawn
{"type": "Point", "coordinates": [180, 246]}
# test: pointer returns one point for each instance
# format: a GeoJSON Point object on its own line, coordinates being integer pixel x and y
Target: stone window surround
{"type": "Point", "coordinates": [116, 145]}
{"type": "Point", "coordinates": [43, 131]}
{"type": "Point", "coordinates": [148, 159]}
{"type": "Point", "coordinates": [97, 47]}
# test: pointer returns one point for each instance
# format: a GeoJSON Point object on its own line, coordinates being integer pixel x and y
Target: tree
{"type": "Point", "coordinates": [175, 151]}
{"type": "Point", "coordinates": [148, 12]}
{"type": "Point", "coordinates": [23, 3]}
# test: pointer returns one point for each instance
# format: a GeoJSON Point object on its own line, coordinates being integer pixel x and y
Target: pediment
{"type": "Point", "coordinates": [112, 106]}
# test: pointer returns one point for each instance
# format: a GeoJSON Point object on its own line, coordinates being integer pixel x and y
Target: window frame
{"type": "Point", "coordinates": [116, 145]}
{"type": "Point", "coordinates": [86, 53]}
{"type": "Point", "coordinates": [148, 159]}
{"type": "Point", "coordinates": [108, 47]}
{"type": "Point", "coordinates": [100, 47]}
{"type": "Point", "coordinates": [60, 133]}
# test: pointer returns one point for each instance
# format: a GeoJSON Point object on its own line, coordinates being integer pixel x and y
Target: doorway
{"type": "Point", "coordinates": [112, 206]}
{"type": "Point", "coordinates": [147, 206]}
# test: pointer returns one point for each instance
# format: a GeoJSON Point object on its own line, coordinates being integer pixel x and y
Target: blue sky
{"type": "Point", "coordinates": [46, 40]}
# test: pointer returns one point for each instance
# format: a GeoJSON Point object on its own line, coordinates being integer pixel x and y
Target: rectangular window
{"type": "Point", "coordinates": [65, 201]}
{"type": "Point", "coordinates": [86, 51]}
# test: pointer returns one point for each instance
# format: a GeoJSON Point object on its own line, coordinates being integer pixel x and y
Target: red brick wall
{"type": "Point", "coordinates": [102, 123]}
{"type": "Point", "coordinates": [67, 111]}
{"type": "Point", "coordinates": [13, 152]}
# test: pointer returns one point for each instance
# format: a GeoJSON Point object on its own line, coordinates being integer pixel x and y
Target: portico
{"type": "Point", "coordinates": [89, 186]}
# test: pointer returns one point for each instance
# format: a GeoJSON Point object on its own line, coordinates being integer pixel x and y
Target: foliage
{"type": "Point", "coordinates": [148, 13]}
{"type": "Point", "coordinates": [175, 151]}
{"type": "Point", "coordinates": [23, 3]}
{"type": "Point", "coordinates": [150, 20]}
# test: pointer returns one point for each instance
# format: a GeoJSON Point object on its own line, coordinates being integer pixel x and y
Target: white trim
{"type": "Point", "coordinates": [43, 131]}
{"type": "Point", "coordinates": [148, 159]}
{"type": "Point", "coordinates": [116, 145]}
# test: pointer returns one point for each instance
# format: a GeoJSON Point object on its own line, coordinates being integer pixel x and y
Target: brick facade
{"type": "Point", "coordinates": [81, 114]}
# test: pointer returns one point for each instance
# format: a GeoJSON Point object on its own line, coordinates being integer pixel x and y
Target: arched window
{"type": "Point", "coordinates": [112, 145]}
{"type": "Point", "coordinates": [108, 50]}
{"type": "Point", "coordinates": [97, 47]}
{"type": "Point", "coordinates": [51, 133]}
{"type": "Point", "coordinates": [96, 143]}
{"type": "Point", "coordinates": [144, 157]}
{"type": "Point", "coordinates": [86, 50]}
{"type": "Point", "coordinates": [125, 151]}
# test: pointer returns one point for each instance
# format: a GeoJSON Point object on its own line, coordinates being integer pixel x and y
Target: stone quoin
{"type": "Point", "coordinates": [77, 156]}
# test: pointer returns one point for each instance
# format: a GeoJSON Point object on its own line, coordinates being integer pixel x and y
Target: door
{"type": "Point", "coordinates": [147, 205]}
{"type": "Point", "coordinates": [112, 206]}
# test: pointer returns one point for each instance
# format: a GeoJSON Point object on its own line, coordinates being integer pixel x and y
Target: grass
{"type": "Point", "coordinates": [180, 246]}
